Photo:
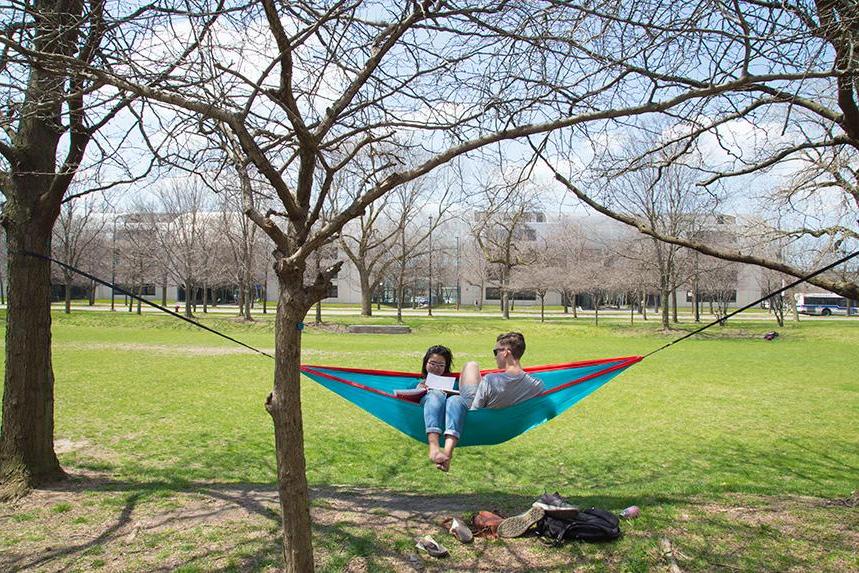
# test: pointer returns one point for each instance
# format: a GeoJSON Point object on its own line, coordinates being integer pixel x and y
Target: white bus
{"type": "Point", "coordinates": [822, 303]}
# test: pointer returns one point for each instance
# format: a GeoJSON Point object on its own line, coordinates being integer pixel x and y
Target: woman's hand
{"type": "Point", "coordinates": [422, 385]}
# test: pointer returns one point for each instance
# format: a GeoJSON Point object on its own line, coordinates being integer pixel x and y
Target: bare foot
{"type": "Point", "coordinates": [443, 463]}
{"type": "Point", "coordinates": [434, 453]}
{"type": "Point", "coordinates": [439, 458]}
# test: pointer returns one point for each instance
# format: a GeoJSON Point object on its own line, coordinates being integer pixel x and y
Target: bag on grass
{"type": "Point", "coordinates": [588, 525]}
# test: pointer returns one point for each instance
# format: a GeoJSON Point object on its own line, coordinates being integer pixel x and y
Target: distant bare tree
{"type": "Point", "coordinates": [183, 227]}
{"type": "Point", "coordinates": [502, 231]}
{"type": "Point", "coordinates": [75, 235]}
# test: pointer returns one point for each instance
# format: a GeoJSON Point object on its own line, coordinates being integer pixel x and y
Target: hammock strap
{"type": "Point", "coordinates": [750, 305]}
{"type": "Point", "coordinates": [143, 300]}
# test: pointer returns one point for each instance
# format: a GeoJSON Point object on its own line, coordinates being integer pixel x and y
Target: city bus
{"type": "Point", "coordinates": [822, 303]}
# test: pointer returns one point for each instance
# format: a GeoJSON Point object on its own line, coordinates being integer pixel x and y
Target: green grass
{"type": "Point", "coordinates": [718, 421]}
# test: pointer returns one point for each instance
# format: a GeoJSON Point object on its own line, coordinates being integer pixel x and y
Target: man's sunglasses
{"type": "Point", "coordinates": [495, 351]}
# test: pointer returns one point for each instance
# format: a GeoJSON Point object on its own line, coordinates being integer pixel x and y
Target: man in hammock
{"type": "Point", "coordinates": [495, 390]}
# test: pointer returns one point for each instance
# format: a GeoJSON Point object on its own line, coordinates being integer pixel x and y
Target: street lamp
{"type": "Point", "coordinates": [113, 268]}
{"type": "Point", "coordinates": [429, 298]}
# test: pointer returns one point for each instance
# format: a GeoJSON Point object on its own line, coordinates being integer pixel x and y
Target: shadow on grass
{"type": "Point", "coordinates": [371, 525]}
{"type": "Point", "coordinates": [377, 526]}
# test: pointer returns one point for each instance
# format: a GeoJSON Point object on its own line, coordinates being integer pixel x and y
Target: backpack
{"type": "Point", "coordinates": [588, 525]}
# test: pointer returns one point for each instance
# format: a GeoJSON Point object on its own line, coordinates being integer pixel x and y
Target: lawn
{"type": "Point", "coordinates": [742, 453]}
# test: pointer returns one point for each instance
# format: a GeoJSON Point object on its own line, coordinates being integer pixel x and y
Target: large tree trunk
{"type": "Point", "coordinates": [284, 405]}
{"type": "Point", "coordinates": [27, 457]}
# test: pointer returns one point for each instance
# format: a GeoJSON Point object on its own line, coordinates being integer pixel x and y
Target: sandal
{"type": "Point", "coordinates": [431, 546]}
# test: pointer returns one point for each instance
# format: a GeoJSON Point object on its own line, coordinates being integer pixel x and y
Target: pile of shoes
{"type": "Point", "coordinates": [552, 505]}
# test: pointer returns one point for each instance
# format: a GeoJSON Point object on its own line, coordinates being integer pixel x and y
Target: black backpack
{"type": "Point", "coordinates": [588, 525]}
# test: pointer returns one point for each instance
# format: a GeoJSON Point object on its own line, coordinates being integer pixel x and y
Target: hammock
{"type": "Point", "coordinates": [565, 384]}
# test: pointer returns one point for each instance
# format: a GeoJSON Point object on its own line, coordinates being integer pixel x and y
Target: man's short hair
{"type": "Point", "coordinates": [515, 341]}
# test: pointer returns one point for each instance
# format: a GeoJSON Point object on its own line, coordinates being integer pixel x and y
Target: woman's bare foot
{"type": "Point", "coordinates": [444, 461]}
{"type": "Point", "coordinates": [434, 453]}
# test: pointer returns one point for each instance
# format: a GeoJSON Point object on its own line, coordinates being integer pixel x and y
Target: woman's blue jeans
{"type": "Point", "coordinates": [448, 412]}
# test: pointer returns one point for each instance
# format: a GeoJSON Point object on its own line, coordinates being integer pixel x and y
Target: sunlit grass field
{"type": "Point", "coordinates": [723, 419]}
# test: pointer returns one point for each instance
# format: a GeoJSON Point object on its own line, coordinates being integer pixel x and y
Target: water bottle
{"type": "Point", "coordinates": [630, 512]}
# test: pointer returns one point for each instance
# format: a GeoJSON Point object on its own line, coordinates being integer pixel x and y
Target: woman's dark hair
{"type": "Point", "coordinates": [441, 351]}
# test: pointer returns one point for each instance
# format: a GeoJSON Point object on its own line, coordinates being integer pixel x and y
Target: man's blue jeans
{"type": "Point", "coordinates": [439, 409]}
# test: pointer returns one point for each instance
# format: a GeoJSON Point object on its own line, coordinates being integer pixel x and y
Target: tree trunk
{"type": "Point", "coordinates": [575, 302]}
{"type": "Point", "coordinates": [189, 292]}
{"type": "Point", "coordinates": [793, 310]}
{"type": "Point", "coordinates": [68, 294]}
{"type": "Point", "coordinates": [665, 296]}
{"type": "Point", "coordinates": [319, 312]}
{"type": "Point", "coordinates": [674, 306]}
{"type": "Point", "coordinates": [542, 308]}
{"type": "Point", "coordinates": [249, 293]}
{"type": "Point", "coordinates": [596, 310]}
{"type": "Point", "coordinates": [284, 405]}
{"type": "Point", "coordinates": [27, 457]}
{"type": "Point", "coordinates": [205, 298]}
{"type": "Point", "coordinates": [505, 304]}
{"type": "Point", "coordinates": [91, 293]}
{"type": "Point", "coordinates": [163, 294]}
{"type": "Point", "coordinates": [366, 293]}
{"type": "Point", "coordinates": [401, 291]}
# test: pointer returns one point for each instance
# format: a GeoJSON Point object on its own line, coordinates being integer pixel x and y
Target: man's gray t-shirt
{"type": "Point", "coordinates": [499, 390]}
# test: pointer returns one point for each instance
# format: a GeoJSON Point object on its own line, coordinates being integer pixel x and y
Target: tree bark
{"type": "Point", "coordinates": [284, 406]}
{"type": "Point", "coordinates": [366, 292]}
{"type": "Point", "coordinates": [674, 305]}
{"type": "Point", "coordinates": [189, 292]}
{"type": "Point", "coordinates": [665, 295]}
{"type": "Point", "coordinates": [27, 457]}
{"type": "Point", "coordinates": [68, 293]}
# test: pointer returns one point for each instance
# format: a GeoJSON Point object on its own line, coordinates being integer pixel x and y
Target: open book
{"type": "Point", "coordinates": [444, 383]}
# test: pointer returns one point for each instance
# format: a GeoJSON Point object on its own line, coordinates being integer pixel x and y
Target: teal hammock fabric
{"type": "Point", "coordinates": [565, 385]}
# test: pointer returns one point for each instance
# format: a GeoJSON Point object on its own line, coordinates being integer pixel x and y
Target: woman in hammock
{"type": "Point", "coordinates": [438, 360]}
